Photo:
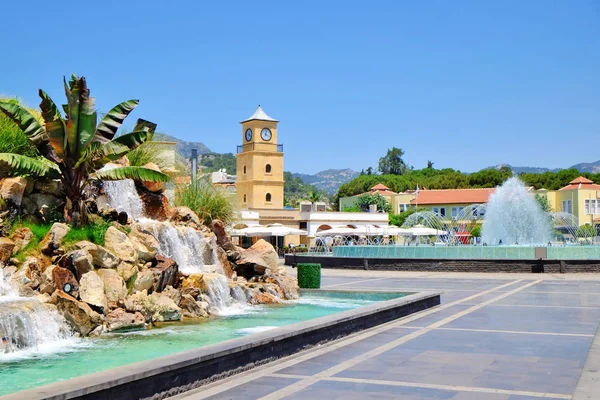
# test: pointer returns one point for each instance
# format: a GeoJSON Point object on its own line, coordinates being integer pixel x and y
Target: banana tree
{"type": "Point", "coordinates": [76, 147]}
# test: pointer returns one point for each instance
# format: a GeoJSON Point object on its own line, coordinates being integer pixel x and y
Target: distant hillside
{"type": "Point", "coordinates": [183, 147]}
{"type": "Point", "coordinates": [593, 167]}
{"type": "Point", "coordinates": [329, 180]}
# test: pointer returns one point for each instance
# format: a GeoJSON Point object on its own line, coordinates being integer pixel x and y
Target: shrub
{"type": "Point", "coordinates": [586, 231]}
{"type": "Point", "coordinates": [309, 276]}
{"type": "Point", "coordinates": [207, 201]}
{"type": "Point", "coordinates": [476, 231]}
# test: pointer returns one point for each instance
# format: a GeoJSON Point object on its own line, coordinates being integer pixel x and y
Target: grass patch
{"type": "Point", "coordinates": [309, 276]}
{"type": "Point", "coordinates": [94, 233]}
{"type": "Point", "coordinates": [33, 248]}
{"type": "Point", "coordinates": [207, 201]}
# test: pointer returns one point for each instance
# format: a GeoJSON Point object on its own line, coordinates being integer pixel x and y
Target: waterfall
{"type": "Point", "coordinates": [122, 196]}
{"type": "Point", "coordinates": [218, 290]}
{"type": "Point", "coordinates": [193, 252]}
{"type": "Point", "coordinates": [26, 323]}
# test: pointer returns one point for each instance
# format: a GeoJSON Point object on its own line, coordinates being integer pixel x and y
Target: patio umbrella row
{"type": "Point", "coordinates": [370, 230]}
{"type": "Point", "coordinates": [267, 230]}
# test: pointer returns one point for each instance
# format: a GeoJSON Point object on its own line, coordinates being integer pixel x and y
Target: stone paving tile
{"type": "Point", "coordinates": [328, 360]}
{"type": "Point", "coordinates": [565, 286]}
{"type": "Point", "coordinates": [481, 359]}
{"type": "Point", "coordinates": [438, 316]}
{"type": "Point", "coordinates": [255, 389]}
{"type": "Point", "coordinates": [531, 319]}
{"type": "Point", "coordinates": [359, 391]}
{"type": "Point", "coordinates": [475, 284]}
{"type": "Point", "coordinates": [556, 299]}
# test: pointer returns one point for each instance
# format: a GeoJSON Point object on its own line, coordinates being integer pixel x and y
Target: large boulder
{"type": "Point", "coordinates": [22, 237]}
{"type": "Point", "coordinates": [46, 204]}
{"type": "Point", "coordinates": [155, 307]}
{"type": "Point", "coordinates": [47, 284]}
{"type": "Point", "coordinates": [12, 190]}
{"type": "Point", "coordinates": [6, 249]}
{"type": "Point", "coordinates": [165, 273]}
{"type": "Point", "coordinates": [258, 259]}
{"type": "Point", "coordinates": [119, 244]}
{"type": "Point", "coordinates": [224, 262]}
{"type": "Point", "coordinates": [288, 285]}
{"type": "Point", "coordinates": [101, 257]}
{"type": "Point", "coordinates": [91, 291]}
{"type": "Point", "coordinates": [53, 187]}
{"type": "Point", "coordinates": [184, 216]}
{"type": "Point", "coordinates": [79, 261]}
{"type": "Point", "coordinates": [119, 319]}
{"type": "Point", "coordinates": [144, 281]}
{"type": "Point", "coordinates": [144, 241]}
{"type": "Point", "coordinates": [54, 238]}
{"type": "Point", "coordinates": [155, 187]}
{"type": "Point", "coordinates": [79, 315]}
{"type": "Point", "coordinates": [192, 308]}
{"type": "Point", "coordinates": [127, 270]}
{"type": "Point", "coordinates": [64, 280]}
{"type": "Point", "coordinates": [156, 205]}
{"type": "Point", "coordinates": [33, 269]}
{"type": "Point", "coordinates": [264, 298]}
{"type": "Point", "coordinates": [114, 286]}
{"type": "Point", "coordinates": [223, 240]}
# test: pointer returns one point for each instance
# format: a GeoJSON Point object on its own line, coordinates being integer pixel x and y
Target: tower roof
{"type": "Point", "coordinates": [260, 115]}
{"type": "Point", "coordinates": [581, 183]}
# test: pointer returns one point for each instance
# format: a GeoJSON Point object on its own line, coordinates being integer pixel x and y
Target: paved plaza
{"type": "Point", "coordinates": [496, 337]}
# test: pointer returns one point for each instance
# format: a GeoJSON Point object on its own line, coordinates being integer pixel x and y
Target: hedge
{"type": "Point", "coordinates": [309, 276]}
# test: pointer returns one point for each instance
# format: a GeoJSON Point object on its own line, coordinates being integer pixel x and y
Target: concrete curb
{"type": "Point", "coordinates": [588, 386]}
{"type": "Point", "coordinates": [183, 371]}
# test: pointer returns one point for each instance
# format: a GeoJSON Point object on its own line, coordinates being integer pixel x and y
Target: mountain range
{"type": "Point", "coordinates": [329, 180]}
{"type": "Point", "coordinates": [593, 167]}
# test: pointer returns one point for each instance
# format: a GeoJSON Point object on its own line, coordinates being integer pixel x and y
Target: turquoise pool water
{"type": "Point", "coordinates": [75, 357]}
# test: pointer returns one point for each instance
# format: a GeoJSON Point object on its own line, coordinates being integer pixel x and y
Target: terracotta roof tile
{"type": "Point", "coordinates": [581, 183]}
{"type": "Point", "coordinates": [452, 196]}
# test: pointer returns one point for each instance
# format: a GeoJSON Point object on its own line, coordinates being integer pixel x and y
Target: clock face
{"type": "Point", "coordinates": [265, 134]}
{"type": "Point", "coordinates": [248, 134]}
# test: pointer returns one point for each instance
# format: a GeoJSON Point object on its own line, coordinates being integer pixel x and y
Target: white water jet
{"type": "Point", "coordinates": [122, 195]}
{"type": "Point", "coordinates": [514, 217]}
{"type": "Point", "coordinates": [25, 323]}
{"type": "Point", "coordinates": [193, 252]}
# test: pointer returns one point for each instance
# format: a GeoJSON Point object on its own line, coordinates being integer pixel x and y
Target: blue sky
{"type": "Point", "coordinates": [466, 84]}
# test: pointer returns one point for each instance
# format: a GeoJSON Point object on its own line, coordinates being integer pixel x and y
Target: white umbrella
{"type": "Point", "coordinates": [394, 230]}
{"type": "Point", "coordinates": [422, 230]}
{"type": "Point", "coordinates": [270, 230]}
{"type": "Point", "coordinates": [370, 230]}
{"type": "Point", "coordinates": [338, 230]}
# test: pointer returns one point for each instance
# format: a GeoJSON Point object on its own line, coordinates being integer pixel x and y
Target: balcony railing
{"type": "Point", "coordinates": [278, 148]}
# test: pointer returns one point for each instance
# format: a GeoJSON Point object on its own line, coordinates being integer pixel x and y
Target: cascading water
{"type": "Point", "coordinates": [122, 196]}
{"type": "Point", "coordinates": [514, 217]}
{"type": "Point", "coordinates": [26, 323]}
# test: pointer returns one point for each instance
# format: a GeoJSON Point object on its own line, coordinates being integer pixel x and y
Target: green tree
{"type": "Point", "coordinates": [76, 147]}
{"type": "Point", "coordinates": [429, 164]}
{"type": "Point", "coordinates": [392, 162]}
{"type": "Point", "coordinates": [370, 171]}
{"type": "Point", "coordinates": [207, 201]}
{"type": "Point", "coordinates": [543, 202]}
{"type": "Point", "coordinates": [366, 200]}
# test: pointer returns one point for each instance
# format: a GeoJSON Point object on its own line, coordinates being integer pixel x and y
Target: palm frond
{"type": "Point", "coordinates": [55, 125]}
{"type": "Point", "coordinates": [135, 173]}
{"type": "Point", "coordinates": [26, 122]}
{"type": "Point", "coordinates": [113, 119]}
{"type": "Point", "coordinates": [18, 165]}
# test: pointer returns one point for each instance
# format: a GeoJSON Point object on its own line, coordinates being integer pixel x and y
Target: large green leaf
{"type": "Point", "coordinates": [135, 173]}
{"type": "Point", "coordinates": [134, 139]}
{"type": "Point", "coordinates": [26, 122]}
{"type": "Point", "coordinates": [110, 123]}
{"type": "Point", "coordinates": [87, 119]}
{"type": "Point", "coordinates": [113, 150]}
{"type": "Point", "coordinates": [16, 165]}
{"type": "Point", "coordinates": [55, 125]}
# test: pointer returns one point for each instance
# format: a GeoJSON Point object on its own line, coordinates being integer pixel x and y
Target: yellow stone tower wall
{"type": "Point", "coordinates": [253, 181]}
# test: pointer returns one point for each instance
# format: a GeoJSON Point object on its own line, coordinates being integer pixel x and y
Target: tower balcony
{"type": "Point", "coordinates": [267, 147]}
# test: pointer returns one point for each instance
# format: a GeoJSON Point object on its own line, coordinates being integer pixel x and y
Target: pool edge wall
{"type": "Point", "coordinates": [443, 265]}
{"type": "Point", "coordinates": [176, 373]}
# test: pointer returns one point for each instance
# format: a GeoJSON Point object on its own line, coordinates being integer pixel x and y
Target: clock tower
{"type": "Point", "coordinates": [259, 183]}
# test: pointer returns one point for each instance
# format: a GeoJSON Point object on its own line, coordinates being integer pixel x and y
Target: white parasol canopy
{"type": "Point", "coordinates": [267, 230]}
{"type": "Point", "coordinates": [422, 230]}
{"type": "Point", "coordinates": [394, 231]}
{"type": "Point", "coordinates": [338, 230]}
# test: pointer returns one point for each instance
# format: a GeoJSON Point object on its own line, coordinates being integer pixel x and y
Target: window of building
{"type": "Point", "coordinates": [440, 211]}
{"type": "Point", "coordinates": [268, 198]}
{"type": "Point", "coordinates": [567, 206]}
{"type": "Point", "coordinates": [244, 169]}
{"type": "Point", "coordinates": [592, 206]}
{"type": "Point", "coordinates": [244, 198]}
{"type": "Point", "coordinates": [455, 211]}
{"type": "Point", "coordinates": [268, 169]}
{"type": "Point", "coordinates": [403, 207]}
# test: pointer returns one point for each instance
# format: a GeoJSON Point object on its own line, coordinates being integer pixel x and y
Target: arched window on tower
{"type": "Point", "coordinates": [268, 169]}
{"type": "Point", "coordinates": [244, 169]}
{"type": "Point", "coordinates": [244, 198]}
{"type": "Point", "coordinates": [268, 198]}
